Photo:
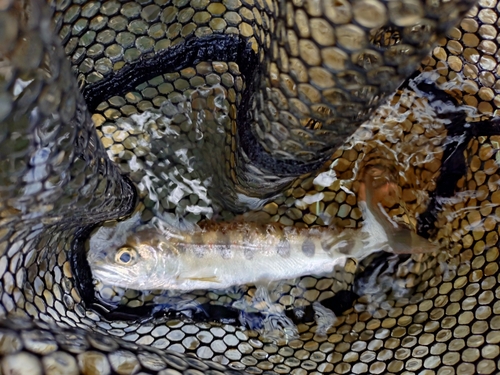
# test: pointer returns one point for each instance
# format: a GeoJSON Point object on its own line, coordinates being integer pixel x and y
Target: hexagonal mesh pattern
{"type": "Point", "coordinates": [257, 99]}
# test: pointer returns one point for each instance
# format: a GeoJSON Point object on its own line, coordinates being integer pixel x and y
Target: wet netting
{"type": "Point", "coordinates": [123, 115]}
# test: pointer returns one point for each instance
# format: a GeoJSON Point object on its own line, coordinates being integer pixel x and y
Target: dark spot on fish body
{"type": "Point", "coordinates": [198, 251]}
{"type": "Point", "coordinates": [327, 244]}
{"type": "Point", "coordinates": [308, 248]}
{"type": "Point", "coordinates": [335, 244]}
{"type": "Point", "coordinates": [224, 250]}
{"type": "Point", "coordinates": [283, 248]}
{"type": "Point", "coordinates": [249, 253]}
{"type": "Point", "coordinates": [346, 246]}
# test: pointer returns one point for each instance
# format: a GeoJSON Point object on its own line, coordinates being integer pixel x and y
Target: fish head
{"type": "Point", "coordinates": [138, 266]}
{"type": "Point", "coordinates": [119, 266]}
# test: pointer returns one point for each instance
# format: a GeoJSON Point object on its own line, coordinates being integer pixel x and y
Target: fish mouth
{"type": "Point", "coordinates": [106, 276]}
{"type": "Point", "coordinates": [123, 281]}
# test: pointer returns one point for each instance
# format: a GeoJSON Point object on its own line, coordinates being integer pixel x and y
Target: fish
{"type": "Point", "coordinates": [221, 255]}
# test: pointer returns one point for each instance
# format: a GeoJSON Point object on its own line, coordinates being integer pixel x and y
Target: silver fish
{"type": "Point", "coordinates": [225, 254]}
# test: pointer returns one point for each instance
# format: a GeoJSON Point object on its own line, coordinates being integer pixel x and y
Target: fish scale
{"type": "Point", "coordinates": [422, 315]}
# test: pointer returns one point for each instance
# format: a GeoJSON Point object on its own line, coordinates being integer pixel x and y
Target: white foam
{"type": "Point", "coordinates": [324, 317]}
{"type": "Point", "coordinates": [325, 179]}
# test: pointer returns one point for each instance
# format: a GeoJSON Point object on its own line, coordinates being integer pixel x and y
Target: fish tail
{"type": "Point", "coordinates": [378, 182]}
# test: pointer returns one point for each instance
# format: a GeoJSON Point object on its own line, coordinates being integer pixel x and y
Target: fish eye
{"type": "Point", "coordinates": [126, 256]}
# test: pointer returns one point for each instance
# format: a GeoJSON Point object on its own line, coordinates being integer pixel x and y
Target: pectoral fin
{"type": "Point", "coordinates": [212, 279]}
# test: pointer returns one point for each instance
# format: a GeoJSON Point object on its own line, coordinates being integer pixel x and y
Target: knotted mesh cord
{"type": "Point", "coordinates": [56, 178]}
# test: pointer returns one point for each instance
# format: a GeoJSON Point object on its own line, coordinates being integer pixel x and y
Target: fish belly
{"type": "Point", "coordinates": [214, 272]}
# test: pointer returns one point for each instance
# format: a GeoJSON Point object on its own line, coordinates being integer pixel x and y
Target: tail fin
{"type": "Point", "coordinates": [377, 183]}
